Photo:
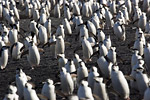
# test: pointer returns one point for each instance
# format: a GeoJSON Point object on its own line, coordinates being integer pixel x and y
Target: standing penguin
{"type": "Point", "coordinates": [13, 35]}
{"type": "Point", "coordinates": [87, 49]}
{"type": "Point", "coordinates": [112, 55]}
{"type": "Point", "coordinates": [21, 80]}
{"type": "Point", "coordinates": [33, 55]}
{"type": "Point", "coordinates": [142, 21]}
{"type": "Point", "coordinates": [147, 55]}
{"type": "Point", "coordinates": [48, 90]}
{"type": "Point", "coordinates": [70, 67]}
{"type": "Point", "coordinates": [29, 93]}
{"type": "Point", "coordinates": [57, 13]}
{"type": "Point", "coordinates": [16, 50]}
{"type": "Point", "coordinates": [146, 93]}
{"type": "Point", "coordinates": [105, 66]}
{"type": "Point", "coordinates": [142, 81]}
{"type": "Point", "coordinates": [84, 91]}
{"type": "Point", "coordinates": [67, 84]}
{"type": "Point", "coordinates": [11, 93]}
{"type": "Point", "coordinates": [67, 27]}
{"type": "Point", "coordinates": [119, 30]}
{"type": "Point", "coordinates": [60, 46]}
{"type": "Point", "coordinates": [82, 72]}
{"type": "Point", "coordinates": [43, 34]}
{"type": "Point", "coordinates": [3, 56]}
{"type": "Point", "coordinates": [100, 89]}
{"type": "Point", "coordinates": [93, 73]}
{"type": "Point", "coordinates": [119, 83]}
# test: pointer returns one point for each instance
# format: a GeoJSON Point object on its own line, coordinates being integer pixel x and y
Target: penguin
{"type": "Point", "coordinates": [91, 28]}
{"type": "Point", "coordinates": [13, 35]}
{"type": "Point", "coordinates": [100, 35]}
{"type": "Point", "coordinates": [146, 93]}
{"type": "Point", "coordinates": [128, 4]}
{"type": "Point", "coordinates": [95, 21]}
{"type": "Point", "coordinates": [76, 9]}
{"type": "Point", "coordinates": [60, 46]}
{"type": "Point", "coordinates": [16, 50]}
{"type": "Point", "coordinates": [43, 18]}
{"type": "Point", "coordinates": [112, 55]}
{"type": "Point", "coordinates": [10, 18]}
{"type": "Point", "coordinates": [3, 57]}
{"type": "Point", "coordinates": [43, 34]}
{"type": "Point", "coordinates": [70, 67]}
{"type": "Point", "coordinates": [82, 72]}
{"type": "Point", "coordinates": [47, 25]}
{"type": "Point", "coordinates": [1, 10]}
{"type": "Point", "coordinates": [119, 83]}
{"type": "Point", "coordinates": [142, 81]}
{"type": "Point", "coordinates": [83, 33]}
{"type": "Point", "coordinates": [33, 55]}
{"type": "Point", "coordinates": [12, 95]}
{"type": "Point", "coordinates": [135, 57]}
{"type": "Point", "coordinates": [57, 13]}
{"type": "Point", "coordinates": [36, 15]}
{"type": "Point", "coordinates": [16, 13]}
{"type": "Point", "coordinates": [29, 93]}
{"type": "Point", "coordinates": [84, 91]}
{"type": "Point", "coordinates": [21, 80]}
{"type": "Point", "coordinates": [113, 8]}
{"type": "Point", "coordinates": [138, 65]}
{"type": "Point", "coordinates": [48, 90]}
{"type": "Point", "coordinates": [33, 27]}
{"type": "Point", "coordinates": [78, 21]}
{"type": "Point", "coordinates": [62, 61]}
{"type": "Point", "coordinates": [103, 51]}
{"type": "Point", "coordinates": [76, 60]}
{"type": "Point", "coordinates": [147, 27]}
{"type": "Point", "coordinates": [107, 42]}
{"type": "Point", "coordinates": [29, 10]}
{"type": "Point", "coordinates": [67, 84]}
{"type": "Point", "coordinates": [125, 14]}
{"type": "Point", "coordinates": [92, 74]}
{"type": "Point", "coordinates": [67, 27]}
{"type": "Point", "coordinates": [119, 30]}
{"type": "Point", "coordinates": [108, 17]}
{"type": "Point", "coordinates": [145, 5]}
{"type": "Point", "coordinates": [100, 88]}
{"type": "Point", "coordinates": [67, 13]}
{"type": "Point", "coordinates": [138, 44]}
{"type": "Point", "coordinates": [86, 49]}
{"type": "Point", "coordinates": [142, 21]}
{"type": "Point", "coordinates": [105, 66]}
{"type": "Point", "coordinates": [60, 31]}
{"type": "Point", "coordinates": [147, 55]}
{"type": "Point", "coordinates": [85, 9]}
{"type": "Point", "coordinates": [52, 46]}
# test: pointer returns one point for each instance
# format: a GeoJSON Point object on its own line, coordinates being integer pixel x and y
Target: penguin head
{"type": "Point", "coordinates": [63, 70]}
{"type": "Point", "coordinates": [93, 69]}
{"type": "Point", "coordinates": [28, 85]}
{"type": "Point", "coordinates": [12, 89]}
{"type": "Point", "coordinates": [84, 83]}
{"type": "Point", "coordinates": [98, 79]}
{"type": "Point", "coordinates": [115, 67]}
{"type": "Point", "coordinates": [18, 70]}
{"type": "Point", "coordinates": [49, 81]}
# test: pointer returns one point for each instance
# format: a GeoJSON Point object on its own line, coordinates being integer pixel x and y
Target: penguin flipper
{"type": "Point", "coordinates": [24, 53]}
{"type": "Point", "coordinates": [42, 97]}
{"type": "Point", "coordinates": [128, 77]}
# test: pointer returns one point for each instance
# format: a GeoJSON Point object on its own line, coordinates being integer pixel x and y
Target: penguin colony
{"type": "Point", "coordinates": [93, 73]}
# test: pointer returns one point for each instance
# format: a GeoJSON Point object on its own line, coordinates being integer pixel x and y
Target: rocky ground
{"type": "Point", "coordinates": [48, 67]}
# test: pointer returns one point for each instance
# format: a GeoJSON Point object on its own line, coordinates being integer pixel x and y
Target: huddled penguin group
{"type": "Point", "coordinates": [90, 32]}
